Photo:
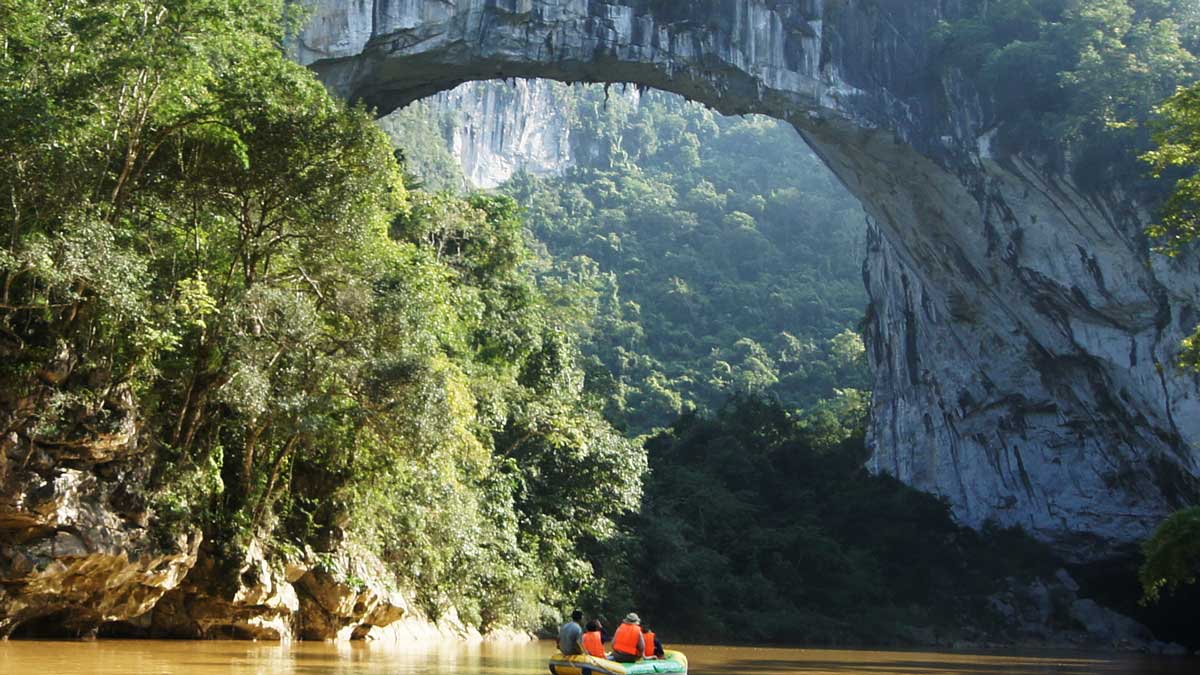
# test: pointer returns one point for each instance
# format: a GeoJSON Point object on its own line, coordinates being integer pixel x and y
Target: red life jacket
{"type": "Point", "coordinates": [593, 644]}
{"type": "Point", "coordinates": [626, 639]}
{"type": "Point", "coordinates": [649, 643]}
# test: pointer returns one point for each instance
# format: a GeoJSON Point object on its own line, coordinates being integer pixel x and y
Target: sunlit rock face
{"type": "Point", "coordinates": [1022, 336]}
{"type": "Point", "coordinates": [499, 129]}
{"type": "Point", "coordinates": [75, 548]}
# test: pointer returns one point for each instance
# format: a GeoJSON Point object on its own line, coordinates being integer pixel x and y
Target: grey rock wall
{"type": "Point", "coordinates": [499, 128]}
{"type": "Point", "coordinates": [1022, 335]}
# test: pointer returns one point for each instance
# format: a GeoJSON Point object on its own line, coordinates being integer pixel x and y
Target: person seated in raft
{"type": "Point", "coordinates": [654, 648]}
{"type": "Point", "coordinates": [628, 644]}
{"type": "Point", "coordinates": [570, 636]}
{"type": "Point", "coordinates": [593, 640]}
{"type": "Point", "coordinates": [604, 634]}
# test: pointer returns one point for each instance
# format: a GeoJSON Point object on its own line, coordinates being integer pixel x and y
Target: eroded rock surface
{"type": "Point", "coordinates": [81, 555]}
{"type": "Point", "coordinates": [1050, 612]}
{"type": "Point", "coordinates": [335, 596]}
{"type": "Point", "coordinates": [342, 597]}
{"type": "Point", "coordinates": [1022, 335]}
{"type": "Point", "coordinates": [249, 600]}
{"type": "Point", "coordinates": [71, 558]}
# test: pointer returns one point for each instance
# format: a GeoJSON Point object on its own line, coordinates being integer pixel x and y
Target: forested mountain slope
{"type": "Point", "coordinates": [716, 254]}
{"type": "Point", "coordinates": [756, 514]}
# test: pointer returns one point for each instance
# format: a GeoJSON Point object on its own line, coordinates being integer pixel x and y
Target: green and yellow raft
{"type": "Point", "coordinates": [671, 662]}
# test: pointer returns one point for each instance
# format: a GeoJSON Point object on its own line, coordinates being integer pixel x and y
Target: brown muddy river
{"type": "Point", "coordinates": [115, 657]}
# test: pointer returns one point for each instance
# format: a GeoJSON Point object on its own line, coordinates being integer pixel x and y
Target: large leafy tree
{"type": "Point", "coordinates": [212, 265]}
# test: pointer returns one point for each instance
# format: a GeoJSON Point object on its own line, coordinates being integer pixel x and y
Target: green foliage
{"type": "Point", "coordinates": [418, 135]}
{"type": "Point", "coordinates": [1073, 80]}
{"type": "Point", "coordinates": [208, 257]}
{"type": "Point", "coordinates": [1176, 157]}
{"type": "Point", "coordinates": [1189, 357]}
{"type": "Point", "coordinates": [1172, 554]}
{"type": "Point", "coordinates": [761, 526]}
{"type": "Point", "coordinates": [1176, 149]}
{"type": "Point", "coordinates": [716, 255]}
{"type": "Point", "coordinates": [699, 257]}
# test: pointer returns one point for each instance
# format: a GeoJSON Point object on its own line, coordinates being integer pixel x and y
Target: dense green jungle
{"type": "Point", "coordinates": [696, 268]}
{"type": "Point", "coordinates": [640, 384]}
{"type": "Point", "coordinates": [711, 269]}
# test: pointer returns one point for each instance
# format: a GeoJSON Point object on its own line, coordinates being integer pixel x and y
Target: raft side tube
{"type": "Point", "coordinates": [672, 662]}
{"type": "Point", "coordinates": [584, 665]}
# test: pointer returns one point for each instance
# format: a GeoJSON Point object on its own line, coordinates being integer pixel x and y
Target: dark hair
{"type": "Point", "coordinates": [577, 615]}
{"type": "Point", "coordinates": [593, 625]}
{"type": "Point", "coordinates": [645, 628]}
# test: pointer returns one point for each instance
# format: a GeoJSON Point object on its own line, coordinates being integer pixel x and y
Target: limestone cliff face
{"type": "Point", "coordinates": [497, 128]}
{"type": "Point", "coordinates": [1022, 336]}
{"type": "Point", "coordinates": [500, 128]}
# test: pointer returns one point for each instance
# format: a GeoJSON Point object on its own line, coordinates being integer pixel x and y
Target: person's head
{"type": "Point", "coordinates": [593, 626]}
{"type": "Point", "coordinates": [632, 618]}
{"type": "Point", "coordinates": [645, 628]}
{"type": "Point", "coordinates": [577, 616]}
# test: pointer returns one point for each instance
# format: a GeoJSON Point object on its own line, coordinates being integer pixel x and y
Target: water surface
{"type": "Point", "coordinates": [118, 657]}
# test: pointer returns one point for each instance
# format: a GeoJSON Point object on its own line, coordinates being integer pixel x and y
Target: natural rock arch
{"type": "Point", "coordinates": [1021, 334]}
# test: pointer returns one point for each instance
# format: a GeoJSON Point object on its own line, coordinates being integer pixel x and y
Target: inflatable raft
{"type": "Point", "coordinates": [671, 662]}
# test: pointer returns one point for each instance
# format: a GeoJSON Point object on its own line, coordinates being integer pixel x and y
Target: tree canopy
{"type": "Point", "coordinates": [1172, 554]}
{"type": "Point", "coordinates": [1074, 81]}
{"type": "Point", "coordinates": [216, 270]}
{"type": "Point", "coordinates": [717, 255]}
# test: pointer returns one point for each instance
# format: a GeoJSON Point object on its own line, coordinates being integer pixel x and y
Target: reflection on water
{"type": "Point", "coordinates": [113, 657]}
{"type": "Point", "coordinates": [743, 661]}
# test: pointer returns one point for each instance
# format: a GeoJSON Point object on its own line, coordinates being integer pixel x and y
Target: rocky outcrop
{"type": "Point", "coordinates": [78, 546]}
{"type": "Point", "coordinates": [498, 128]}
{"type": "Point", "coordinates": [342, 597]}
{"type": "Point", "coordinates": [1022, 335]}
{"type": "Point", "coordinates": [338, 596]}
{"type": "Point", "coordinates": [1050, 612]}
{"type": "Point", "coordinates": [249, 601]}
{"type": "Point", "coordinates": [72, 558]}
{"type": "Point", "coordinates": [495, 129]}
{"type": "Point", "coordinates": [82, 554]}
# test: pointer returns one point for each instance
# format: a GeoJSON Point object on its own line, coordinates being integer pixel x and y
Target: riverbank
{"type": "Point", "coordinates": [97, 582]}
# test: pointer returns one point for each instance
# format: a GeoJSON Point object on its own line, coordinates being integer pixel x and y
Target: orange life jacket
{"type": "Point", "coordinates": [649, 643]}
{"type": "Point", "coordinates": [626, 639]}
{"type": "Point", "coordinates": [593, 644]}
